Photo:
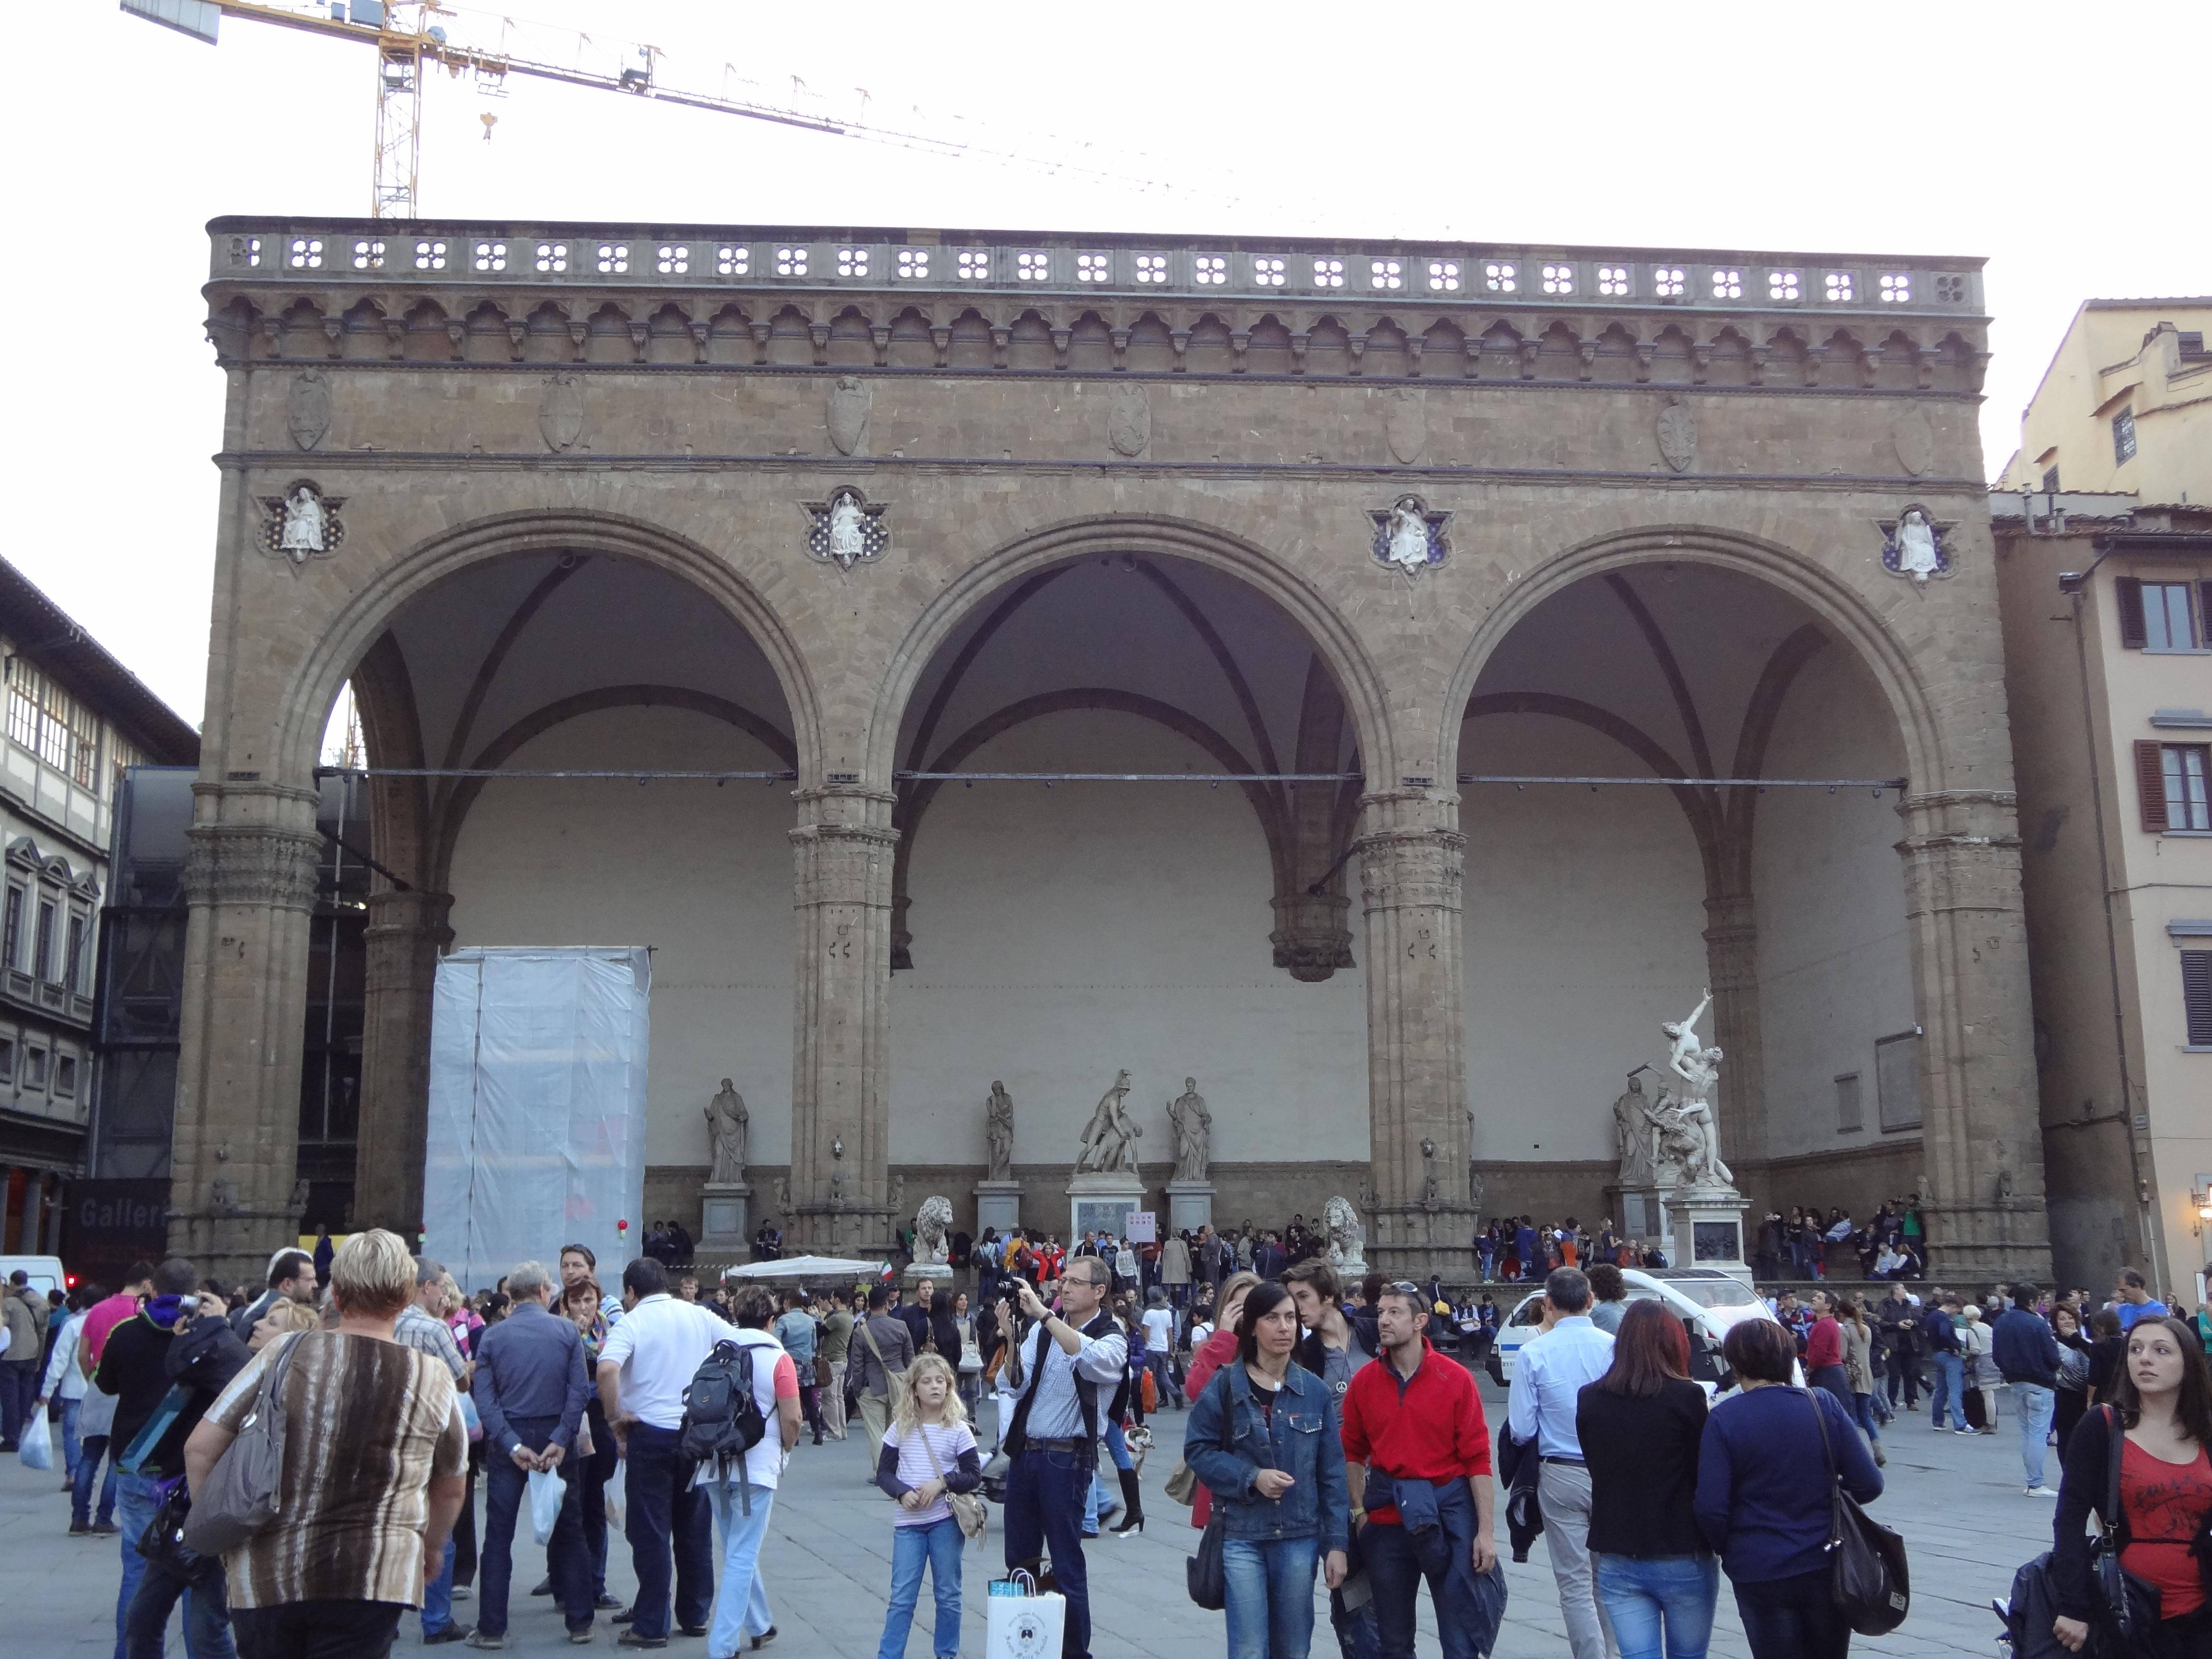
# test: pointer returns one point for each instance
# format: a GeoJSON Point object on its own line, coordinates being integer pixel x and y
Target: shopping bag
{"type": "Point", "coordinates": [614, 1494]}
{"type": "Point", "coordinates": [545, 1494]}
{"type": "Point", "coordinates": [1024, 1624]}
{"type": "Point", "coordinates": [37, 1446]}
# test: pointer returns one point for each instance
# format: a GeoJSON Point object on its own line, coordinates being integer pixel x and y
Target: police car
{"type": "Point", "coordinates": [1705, 1299]}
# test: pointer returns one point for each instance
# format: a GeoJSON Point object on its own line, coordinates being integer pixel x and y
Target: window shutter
{"type": "Point", "coordinates": [2204, 614]}
{"type": "Point", "coordinates": [2196, 996]}
{"type": "Point", "coordinates": [2150, 783]}
{"type": "Point", "coordinates": [2133, 634]}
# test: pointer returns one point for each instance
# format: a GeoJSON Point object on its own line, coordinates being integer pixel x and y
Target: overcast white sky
{"type": "Point", "coordinates": [2065, 142]}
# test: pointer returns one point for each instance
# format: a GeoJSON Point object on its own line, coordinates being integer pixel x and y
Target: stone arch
{"type": "Point", "coordinates": [1357, 677]}
{"type": "Point", "coordinates": [1843, 610]}
{"type": "Point", "coordinates": [351, 632]}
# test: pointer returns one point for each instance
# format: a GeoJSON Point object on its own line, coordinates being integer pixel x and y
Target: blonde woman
{"type": "Point", "coordinates": [929, 1452]}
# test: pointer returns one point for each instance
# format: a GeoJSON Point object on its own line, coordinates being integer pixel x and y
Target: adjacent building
{"type": "Point", "coordinates": [2104, 548]}
{"type": "Point", "coordinates": [77, 719]}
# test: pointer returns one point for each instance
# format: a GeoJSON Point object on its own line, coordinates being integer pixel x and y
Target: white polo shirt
{"type": "Point", "coordinates": [660, 1345]}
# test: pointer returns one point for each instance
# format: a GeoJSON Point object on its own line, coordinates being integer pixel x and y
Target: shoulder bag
{"type": "Point", "coordinates": [894, 1382]}
{"type": "Point", "coordinates": [242, 1491]}
{"type": "Point", "coordinates": [973, 1514]}
{"type": "Point", "coordinates": [2132, 1607]}
{"type": "Point", "coordinates": [1868, 1578]}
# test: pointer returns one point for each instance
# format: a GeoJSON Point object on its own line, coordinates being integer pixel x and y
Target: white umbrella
{"type": "Point", "coordinates": [829, 1268]}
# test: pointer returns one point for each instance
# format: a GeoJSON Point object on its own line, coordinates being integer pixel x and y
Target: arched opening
{"type": "Point", "coordinates": [1049, 932]}
{"type": "Point", "coordinates": [509, 681]}
{"type": "Point", "coordinates": [1595, 912]}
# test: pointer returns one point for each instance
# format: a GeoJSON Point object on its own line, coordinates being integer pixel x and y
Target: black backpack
{"type": "Point", "coordinates": [722, 1419]}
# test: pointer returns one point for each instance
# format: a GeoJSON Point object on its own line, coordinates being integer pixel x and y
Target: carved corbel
{"type": "Point", "coordinates": [1240, 342]}
{"type": "Point", "coordinates": [1759, 355]}
{"type": "Point", "coordinates": [1470, 347]}
{"type": "Point", "coordinates": [1298, 345]}
{"type": "Point", "coordinates": [272, 336]}
{"type": "Point", "coordinates": [819, 334]}
{"type": "Point", "coordinates": [456, 338]}
{"type": "Point", "coordinates": [1701, 361]}
{"type": "Point", "coordinates": [1645, 351]}
{"type": "Point", "coordinates": [1002, 336]}
{"type": "Point", "coordinates": [1121, 338]}
{"type": "Point", "coordinates": [703, 335]}
{"type": "Point", "coordinates": [1061, 339]}
{"type": "Point", "coordinates": [1179, 339]}
{"type": "Point", "coordinates": [1414, 344]}
{"type": "Point", "coordinates": [1869, 365]}
{"type": "Point", "coordinates": [760, 330]}
{"type": "Point", "coordinates": [334, 330]}
{"type": "Point", "coordinates": [1816, 357]}
{"type": "Point", "coordinates": [881, 334]}
{"type": "Point", "coordinates": [580, 337]}
{"type": "Point", "coordinates": [1923, 364]}
{"type": "Point", "coordinates": [1530, 345]}
{"type": "Point", "coordinates": [941, 333]}
{"type": "Point", "coordinates": [518, 338]}
{"type": "Point", "coordinates": [395, 336]}
{"type": "Point", "coordinates": [1355, 346]}
{"type": "Point", "coordinates": [1586, 350]}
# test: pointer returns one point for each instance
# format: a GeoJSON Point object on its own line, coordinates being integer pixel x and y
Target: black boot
{"type": "Point", "coordinates": [1133, 1504]}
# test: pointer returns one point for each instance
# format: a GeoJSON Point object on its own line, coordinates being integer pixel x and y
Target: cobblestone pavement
{"type": "Point", "coordinates": [1957, 1501]}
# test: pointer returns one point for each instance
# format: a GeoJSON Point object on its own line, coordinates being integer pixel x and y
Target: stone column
{"type": "Point", "coordinates": [1732, 961]}
{"type": "Point", "coordinates": [406, 935]}
{"type": "Point", "coordinates": [1981, 1137]}
{"type": "Point", "coordinates": [251, 881]}
{"type": "Point", "coordinates": [840, 1200]}
{"type": "Point", "coordinates": [1411, 857]}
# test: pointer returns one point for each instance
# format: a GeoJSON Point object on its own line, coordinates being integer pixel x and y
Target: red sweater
{"type": "Point", "coordinates": [1429, 1427]}
{"type": "Point", "coordinates": [1824, 1345]}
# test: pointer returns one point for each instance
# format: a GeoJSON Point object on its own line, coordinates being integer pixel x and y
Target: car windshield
{"type": "Point", "coordinates": [1715, 1292]}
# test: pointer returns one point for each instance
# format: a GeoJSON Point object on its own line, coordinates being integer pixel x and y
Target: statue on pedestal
{"type": "Point", "coordinates": [1109, 1138]}
{"type": "Point", "coordinates": [1347, 1246]}
{"type": "Point", "coordinates": [1635, 1134]}
{"type": "Point", "coordinates": [932, 1227]}
{"type": "Point", "coordinates": [998, 1134]}
{"type": "Point", "coordinates": [1703, 1166]}
{"type": "Point", "coordinates": [1193, 1131]}
{"type": "Point", "coordinates": [728, 1124]}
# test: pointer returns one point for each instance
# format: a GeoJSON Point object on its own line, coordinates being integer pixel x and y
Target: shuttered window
{"type": "Point", "coordinates": [2157, 615]}
{"type": "Point", "coordinates": [2150, 785]}
{"type": "Point", "coordinates": [2196, 996]}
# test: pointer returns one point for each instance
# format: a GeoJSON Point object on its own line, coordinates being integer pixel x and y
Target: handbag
{"type": "Point", "coordinates": [973, 1514]}
{"type": "Point", "coordinates": [243, 1491]}
{"type": "Point", "coordinates": [1867, 1577]}
{"type": "Point", "coordinates": [163, 1544]}
{"type": "Point", "coordinates": [1203, 1573]}
{"type": "Point", "coordinates": [1182, 1484]}
{"type": "Point", "coordinates": [2132, 1607]}
{"type": "Point", "coordinates": [894, 1382]}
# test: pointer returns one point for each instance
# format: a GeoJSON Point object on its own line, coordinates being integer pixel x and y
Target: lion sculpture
{"type": "Point", "coordinates": [932, 1227]}
{"type": "Point", "coordinates": [1347, 1239]}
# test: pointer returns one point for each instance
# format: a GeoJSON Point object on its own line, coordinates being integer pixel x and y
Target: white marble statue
{"type": "Point", "coordinates": [932, 1229]}
{"type": "Point", "coordinates": [728, 1126]}
{"type": "Point", "coordinates": [303, 524]}
{"type": "Point", "coordinates": [1700, 1071]}
{"type": "Point", "coordinates": [1346, 1249]}
{"type": "Point", "coordinates": [1916, 546]}
{"type": "Point", "coordinates": [999, 1133]}
{"type": "Point", "coordinates": [1635, 1136]}
{"type": "Point", "coordinates": [1193, 1131]}
{"type": "Point", "coordinates": [1409, 535]}
{"type": "Point", "coordinates": [1109, 1138]}
{"type": "Point", "coordinates": [849, 538]}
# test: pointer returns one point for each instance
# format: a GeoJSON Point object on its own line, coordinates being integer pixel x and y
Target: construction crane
{"type": "Point", "coordinates": [407, 42]}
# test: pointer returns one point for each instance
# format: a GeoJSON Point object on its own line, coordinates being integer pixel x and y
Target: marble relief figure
{"type": "Point", "coordinates": [1109, 1138]}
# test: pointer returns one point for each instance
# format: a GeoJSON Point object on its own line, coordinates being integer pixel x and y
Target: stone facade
{"type": "Point", "coordinates": [676, 399]}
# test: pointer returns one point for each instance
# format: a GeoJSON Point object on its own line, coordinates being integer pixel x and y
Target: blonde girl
{"type": "Point", "coordinates": [929, 1452]}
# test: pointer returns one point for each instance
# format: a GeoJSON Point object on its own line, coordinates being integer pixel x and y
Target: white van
{"type": "Point", "coordinates": [1705, 1299]}
{"type": "Point", "coordinates": [44, 1271]}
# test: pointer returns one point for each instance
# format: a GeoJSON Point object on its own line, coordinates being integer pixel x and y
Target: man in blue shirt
{"type": "Point", "coordinates": [529, 1388]}
{"type": "Point", "coordinates": [2027, 1353]}
{"type": "Point", "coordinates": [1947, 1357]}
{"type": "Point", "coordinates": [1548, 1377]}
{"type": "Point", "coordinates": [2132, 1301]}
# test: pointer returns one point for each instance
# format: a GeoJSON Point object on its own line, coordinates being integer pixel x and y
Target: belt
{"type": "Point", "coordinates": [1573, 1462]}
{"type": "Point", "coordinates": [1035, 1444]}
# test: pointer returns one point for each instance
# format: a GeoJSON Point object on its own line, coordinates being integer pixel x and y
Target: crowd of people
{"type": "Point", "coordinates": [1329, 1438]}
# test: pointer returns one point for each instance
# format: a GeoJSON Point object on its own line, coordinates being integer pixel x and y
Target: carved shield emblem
{"type": "Point", "coordinates": [1678, 436]}
{"type": "Point", "coordinates": [1915, 441]}
{"type": "Point", "coordinates": [1129, 421]}
{"type": "Point", "coordinates": [1405, 426]}
{"type": "Point", "coordinates": [307, 409]}
{"type": "Point", "coordinates": [848, 414]}
{"type": "Point", "coordinates": [561, 412]}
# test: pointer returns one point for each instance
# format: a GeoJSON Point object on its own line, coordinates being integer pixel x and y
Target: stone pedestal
{"type": "Point", "coordinates": [1100, 1201]}
{"type": "Point", "coordinates": [1708, 1228]}
{"type": "Point", "coordinates": [725, 1217]}
{"type": "Point", "coordinates": [1190, 1206]}
{"type": "Point", "coordinates": [934, 1273]}
{"type": "Point", "coordinates": [998, 1204]}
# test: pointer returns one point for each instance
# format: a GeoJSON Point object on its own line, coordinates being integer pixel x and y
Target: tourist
{"type": "Point", "coordinates": [2071, 1398]}
{"type": "Point", "coordinates": [374, 1446]}
{"type": "Point", "coordinates": [943, 1330]}
{"type": "Point", "coordinates": [1764, 1500]}
{"type": "Point", "coordinates": [1947, 1356]}
{"type": "Point", "coordinates": [529, 1386]}
{"type": "Point", "coordinates": [26, 1325]}
{"type": "Point", "coordinates": [1639, 1426]}
{"type": "Point", "coordinates": [2027, 1356]}
{"type": "Point", "coordinates": [743, 1492]}
{"type": "Point", "coordinates": [583, 1305]}
{"type": "Point", "coordinates": [836, 1335]}
{"type": "Point", "coordinates": [1548, 1377]}
{"type": "Point", "coordinates": [1608, 1297]}
{"type": "Point", "coordinates": [1897, 1321]}
{"type": "Point", "coordinates": [1980, 1366]}
{"type": "Point", "coordinates": [647, 1364]}
{"type": "Point", "coordinates": [1485, 1251]}
{"type": "Point", "coordinates": [885, 1349]}
{"type": "Point", "coordinates": [1858, 1370]}
{"type": "Point", "coordinates": [1052, 1442]}
{"type": "Point", "coordinates": [1125, 1404]}
{"type": "Point", "coordinates": [929, 1452]}
{"type": "Point", "coordinates": [2160, 1412]}
{"type": "Point", "coordinates": [292, 1278]}
{"type": "Point", "coordinates": [968, 1369]}
{"type": "Point", "coordinates": [1175, 1269]}
{"type": "Point", "coordinates": [1278, 1485]}
{"type": "Point", "coordinates": [1334, 1350]}
{"type": "Point", "coordinates": [1824, 1350]}
{"type": "Point", "coordinates": [1417, 1452]}
{"type": "Point", "coordinates": [421, 1325]}
{"type": "Point", "coordinates": [1212, 1343]}
{"type": "Point", "coordinates": [324, 1250]}
{"type": "Point", "coordinates": [62, 1385]}
{"type": "Point", "coordinates": [798, 1331]}
{"type": "Point", "coordinates": [2132, 1300]}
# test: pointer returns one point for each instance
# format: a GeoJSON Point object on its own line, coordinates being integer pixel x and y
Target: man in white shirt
{"type": "Point", "coordinates": [1548, 1379]}
{"type": "Point", "coordinates": [1159, 1323]}
{"type": "Point", "coordinates": [647, 1362]}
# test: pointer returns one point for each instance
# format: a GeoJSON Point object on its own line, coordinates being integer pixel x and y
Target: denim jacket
{"type": "Point", "coordinates": [1228, 1440]}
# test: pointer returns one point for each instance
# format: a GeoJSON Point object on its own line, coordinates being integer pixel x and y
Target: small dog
{"type": "Point", "coordinates": [1139, 1441]}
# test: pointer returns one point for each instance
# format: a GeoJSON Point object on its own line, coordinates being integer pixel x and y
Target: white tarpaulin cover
{"type": "Point", "coordinates": [829, 1269]}
{"type": "Point", "coordinates": [537, 1071]}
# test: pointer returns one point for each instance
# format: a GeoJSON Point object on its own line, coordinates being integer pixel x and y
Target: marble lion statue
{"type": "Point", "coordinates": [1347, 1239]}
{"type": "Point", "coordinates": [933, 1225]}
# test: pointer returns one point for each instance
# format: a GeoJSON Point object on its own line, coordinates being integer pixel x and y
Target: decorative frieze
{"type": "Point", "coordinates": [251, 865]}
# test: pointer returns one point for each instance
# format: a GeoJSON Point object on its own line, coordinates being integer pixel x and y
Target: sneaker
{"type": "Point", "coordinates": [479, 1639]}
{"type": "Point", "coordinates": [762, 1640]}
{"type": "Point", "coordinates": [606, 1603]}
{"type": "Point", "coordinates": [625, 1616]}
{"type": "Point", "coordinates": [630, 1638]}
{"type": "Point", "coordinates": [582, 1637]}
{"type": "Point", "coordinates": [1939, 1428]}
{"type": "Point", "coordinates": [451, 1633]}
{"type": "Point", "coordinates": [544, 1587]}
{"type": "Point", "coordinates": [462, 1592]}
{"type": "Point", "coordinates": [105, 1529]}
{"type": "Point", "coordinates": [2039, 1491]}
{"type": "Point", "coordinates": [79, 1530]}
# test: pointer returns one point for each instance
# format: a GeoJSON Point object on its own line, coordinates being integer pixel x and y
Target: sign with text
{"type": "Point", "coordinates": [1144, 1227]}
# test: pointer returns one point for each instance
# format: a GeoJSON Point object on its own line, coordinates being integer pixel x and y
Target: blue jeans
{"type": "Point", "coordinates": [1862, 1412]}
{"type": "Point", "coordinates": [2032, 1404]}
{"type": "Point", "coordinates": [207, 1614]}
{"type": "Point", "coordinates": [1398, 1561]}
{"type": "Point", "coordinates": [1792, 1618]}
{"type": "Point", "coordinates": [1667, 1595]}
{"type": "Point", "coordinates": [666, 1522]}
{"type": "Point", "coordinates": [939, 1545]}
{"type": "Point", "coordinates": [566, 1563]}
{"type": "Point", "coordinates": [1950, 1386]}
{"type": "Point", "coordinates": [135, 1501]}
{"type": "Point", "coordinates": [1271, 1601]}
{"type": "Point", "coordinates": [89, 1456]}
{"type": "Point", "coordinates": [438, 1595]}
{"type": "Point", "coordinates": [741, 1605]}
{"type": "Point", "coordinates": [72, 1448]}
{"type": "Point", "coordinates": [1045, 1513]}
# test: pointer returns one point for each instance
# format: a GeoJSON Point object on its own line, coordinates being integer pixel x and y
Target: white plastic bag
{"type": "Point", "coordinates": [613, 1495]}
{"type": "Point", "coordinates": [545, 1494]}
{"type": "Point", "coordinates": [1023, 1624]}
{"type": "Point", "coordinates": [37, 1446]}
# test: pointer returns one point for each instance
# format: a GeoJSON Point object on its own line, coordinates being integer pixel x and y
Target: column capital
{"type": "Point", "coordinates": [251, 865]}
